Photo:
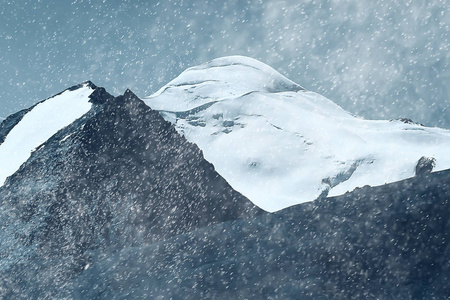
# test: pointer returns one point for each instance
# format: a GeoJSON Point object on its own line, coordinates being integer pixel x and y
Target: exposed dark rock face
{"type": "Point", "coordinates": [407, 121]}
{"type": "Point", "coordinates": [119, 176]}
{"type": "Point", "coordinates": [387, 242]}
{"type": "Point", "coordinates": [425, 165]}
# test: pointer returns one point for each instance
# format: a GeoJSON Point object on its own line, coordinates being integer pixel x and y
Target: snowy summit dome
{"type": "Point", "coordinates": [280, 145]}
{"type": "Point", "coordinates": [220, 79]}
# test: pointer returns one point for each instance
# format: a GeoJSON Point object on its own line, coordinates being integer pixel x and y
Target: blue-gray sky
{"type": "Point", "coordinates": [377, 59]}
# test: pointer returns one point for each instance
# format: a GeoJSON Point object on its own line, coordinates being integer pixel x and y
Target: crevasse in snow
{"type": "Point", "coordinates": [280, 145]}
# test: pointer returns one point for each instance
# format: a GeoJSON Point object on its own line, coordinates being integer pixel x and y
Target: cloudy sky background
{"type": "Point", "coordinates": [377, 59]}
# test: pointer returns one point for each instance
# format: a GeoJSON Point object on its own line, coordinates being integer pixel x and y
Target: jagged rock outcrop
{"type": "Point", "coordinates": [425, 165]}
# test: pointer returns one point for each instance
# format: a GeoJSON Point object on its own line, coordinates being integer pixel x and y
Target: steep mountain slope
{"type": "Point", "coordinates": [24, 131]}
{"type": "Point", "coordinates": [280, 145]}
{"type": "Point", "coordinates": [118, 175]}
{"type": "Point", "coordinates": [387, 242]}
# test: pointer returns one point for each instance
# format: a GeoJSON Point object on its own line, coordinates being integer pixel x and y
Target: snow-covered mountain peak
{"type": "Point", "coordinates": [26, 130]}
{"type": "Point", "coordinates": [280, 145]}
{"type": "Point", "coordinates": [219, 79]}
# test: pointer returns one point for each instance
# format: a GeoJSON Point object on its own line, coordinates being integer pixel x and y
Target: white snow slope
{"type": "Point", "coordinates": [39, 124]}
{"type": "Point", "coordinates": [281, 145]}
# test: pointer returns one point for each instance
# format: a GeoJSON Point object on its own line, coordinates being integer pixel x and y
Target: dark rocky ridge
{"type": "Point", "coordinates": [387, 242]}
{"type": "Point", "coordinates": [120, 175]}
